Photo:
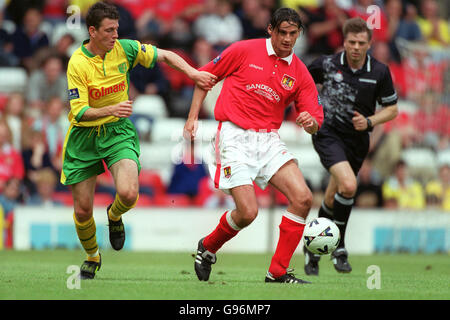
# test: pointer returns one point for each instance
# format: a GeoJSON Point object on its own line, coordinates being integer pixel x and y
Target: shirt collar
{"type": "Point", "coordinates": [343, 61]}
{"type": "Point", "coordinates": [271, 52]}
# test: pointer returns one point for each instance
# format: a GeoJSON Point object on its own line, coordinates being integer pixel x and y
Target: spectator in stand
{"type": "Point", "coordinates": [219, 25]}
{"type": "Point", "coordinates": [10, 197]}
{"type": "Point", "coordinates": [401, 191]}
{"type": "Point", "coordinates": [28, 39]}
{"type": "Point", "coordinates": [431, 122]}
{"type": "Point", "coordinates": [14, 114]}
{"type": "Point", "coordinates": [381, 51]}
{"type": "Point", "coordinates": [254, 18]}
{"type": "Point", "coordinates": [35, 157]}
{"type": "Point", "coordinates": [397, 135]}
{"type": "Point", "coordinates": [54, 11]}
{"type": "Point", "coordinates": [83, 5]}
{"type": "Point", "coordinates": [149, 81]}
{"type": "Point", "coordinates": [7, 58]}
{"type": "Point", "coordinates": [368, 194]}
{"type": "Point", "coordinates": [11, 163]}
{"type": "Point", "coordinates": [187, 175]}
{"type": "Point", "coordinates": [217, 198]}
{"type": "Point", "coordinates": [46, 181]}
{"type": "Point", "coordinates": [434, 29]}
{"type": "Point", "coordinates": [47, 82]}
{"type": "Point", "coordinates": [309, 4]}
{"type": "Point", "coordinates": [380, 33]}
{"type": "Point", "coordinates": [422, 74]}
{"type": "Point", "coordinates": [54, 125]}
{"type": "Point", "coordinates": [325, 28]}
{"type": "Point", "coordinates": [202, 53]}
{"type": "Point", "coordinates": [178, 36]}
{"type": "Point", "coordinates": [145, 81]}
{"type": "Point", "coordinates": [157, 17]}
{"type": "Point", "coordinates": [399, 27]}
{"type": "Point", "coordinates": [63, 47]}
{"type": "Point", "coordinates": [438, 191]}
{"type": "Point", "coordinates": [127, 28]}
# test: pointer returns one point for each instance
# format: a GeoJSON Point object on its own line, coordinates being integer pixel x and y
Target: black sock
{"type": "Point", "coordinates": [325, 211]}
{"type": "Point", "coordinates": [342, 208]}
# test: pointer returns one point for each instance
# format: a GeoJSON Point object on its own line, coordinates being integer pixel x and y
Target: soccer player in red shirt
{"type": "Point", "coordinates": [263, 76]}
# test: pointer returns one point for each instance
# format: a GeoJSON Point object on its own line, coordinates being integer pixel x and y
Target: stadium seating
{"type": "Point", "coordinates": [144, 201]}
{"type": "Point", "coordinates": [207, 129]}
{"type": "Point", "coordinates": [172, 200]}
{"type": "Point", "coordinates": [443, 157]}
{"type": "Point", "coordinates": [103, 199]}
{"type": "Point", "coordinates": [167, 129]}
{"type": "Point", "coordinates": [62, 29]}
{"type": "Point", "coordinates": [151, 179]}
{"type": "Point", "coordinates": [63, 197]}
{"type": "Point", "coordinates": [309, 163]}
{"type": "Point", "coordinates": [150, 105]}
{"type": "Point", "coordinates": [13, 79]}
{"type": "Point", "coordinates": [290, 133]}
{"type": "Point", "coordinates": [421, 162]}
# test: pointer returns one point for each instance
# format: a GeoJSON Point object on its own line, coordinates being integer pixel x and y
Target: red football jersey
{"type": "Point", "coordinates": [259, 86]}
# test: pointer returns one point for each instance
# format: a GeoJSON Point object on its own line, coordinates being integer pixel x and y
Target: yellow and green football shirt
{"type": "Point", "coordinates": [94, 82]}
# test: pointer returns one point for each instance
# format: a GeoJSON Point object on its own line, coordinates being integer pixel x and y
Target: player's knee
{"type": "Point", "coordinates": [302, 202]}
{"type": "Point", "coordinates": [83, 212]}
{"type": "Point", "coordinates": [128, 196]}
{"type": "Point", "coordinates": [247, 215]}
{"type": "Point", "coordinates": [348, 188]}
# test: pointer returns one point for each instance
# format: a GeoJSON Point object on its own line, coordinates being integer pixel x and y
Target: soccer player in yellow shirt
{"type": "Point", "coordinates": [98, 82]}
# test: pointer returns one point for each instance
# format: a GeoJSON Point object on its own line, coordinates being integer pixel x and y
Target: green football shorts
{"type": "Point", "coordinates": [86, 147]}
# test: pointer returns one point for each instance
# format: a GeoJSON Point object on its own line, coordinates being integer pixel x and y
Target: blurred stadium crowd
{"type": "Point", "coordinates": [409, 162]}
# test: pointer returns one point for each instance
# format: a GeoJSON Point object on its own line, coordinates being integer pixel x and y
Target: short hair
{"type": "Point", "coordinates": [285, 14]}
{"type": "Point", "coordinates": [356, 25]}
{"type": "Point", "coordinates": [99, 11]}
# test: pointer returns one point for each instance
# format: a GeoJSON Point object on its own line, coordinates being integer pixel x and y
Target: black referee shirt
{"type": "Point", "coordinates": [345, 91]}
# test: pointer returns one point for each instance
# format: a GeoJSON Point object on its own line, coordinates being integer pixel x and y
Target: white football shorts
{"type": "Point", "coordinates": [240, 157]}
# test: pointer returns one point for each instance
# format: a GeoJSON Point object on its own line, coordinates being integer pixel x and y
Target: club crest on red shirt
{"type": "Point", "coordinates": [287, 82]}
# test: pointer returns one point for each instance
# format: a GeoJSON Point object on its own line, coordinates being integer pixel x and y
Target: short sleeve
{"type": "Point", "coordinates": [387, 95]}
{"type": "Point", "coordinates": [139, 53]}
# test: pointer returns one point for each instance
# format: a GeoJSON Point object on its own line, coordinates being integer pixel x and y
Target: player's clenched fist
{"type": "Point", "coordinates": [190, 129]}
{"type": "Point", "coordinates": [359, 121]}
{"type": "Point", "coordinates": [307, 121]}
{"type": "Point", "coordinates": [123, 109]}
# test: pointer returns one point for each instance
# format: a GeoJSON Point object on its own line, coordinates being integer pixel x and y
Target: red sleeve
{"type": "Point", "coordinates": [227, 62]}
{"type": "Point", "coordinates": [18, 168]}
{"type": "Point", "coordinates": [308, 98]}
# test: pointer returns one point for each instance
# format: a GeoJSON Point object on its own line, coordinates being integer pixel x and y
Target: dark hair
{"type": "Point", "coordinates": [99, 11]}
{"type": "Point", "coordinates": [400, 163]}
{"type": "Point", "coordinates": [285, 14]}
{"type": "Point", "coordinates": [356, 25]}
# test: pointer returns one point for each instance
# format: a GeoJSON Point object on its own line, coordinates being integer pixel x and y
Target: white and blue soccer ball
{"type": "Point", "coordinates": [321, 236]}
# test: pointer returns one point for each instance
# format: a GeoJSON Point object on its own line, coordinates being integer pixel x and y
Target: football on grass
{"type": "Point", "coordinates": [321, 236]}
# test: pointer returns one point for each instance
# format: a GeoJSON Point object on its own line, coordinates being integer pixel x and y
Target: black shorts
{"type": "Point", "coordinates": [333, 147]}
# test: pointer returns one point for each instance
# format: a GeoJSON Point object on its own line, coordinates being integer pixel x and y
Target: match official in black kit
{"type": "Point", "coordinates": [352, 82]}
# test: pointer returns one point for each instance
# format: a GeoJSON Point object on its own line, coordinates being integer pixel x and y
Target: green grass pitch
{"type": "Point", "coordinates": [170, 276]}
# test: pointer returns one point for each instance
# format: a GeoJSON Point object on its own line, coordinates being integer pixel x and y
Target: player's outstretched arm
{"type": "Point", "coordinates": [203, 79]}
{"type": "Point", "coordinates": [191, 124]}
